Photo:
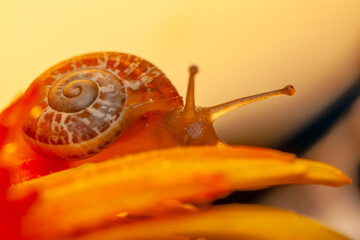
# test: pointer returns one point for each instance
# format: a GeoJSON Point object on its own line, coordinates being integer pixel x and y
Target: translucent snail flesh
{"type": "Point", "coordinates": [92, 101]}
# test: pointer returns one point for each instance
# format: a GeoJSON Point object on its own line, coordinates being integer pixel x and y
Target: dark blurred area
{"type": "Point", "coordinates": [332, 137]}
{"type": "Point", "coordinates": [307, 137]}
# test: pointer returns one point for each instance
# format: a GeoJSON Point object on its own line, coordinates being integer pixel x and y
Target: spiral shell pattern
{"type": "Point", "coordinates": [85, 102]}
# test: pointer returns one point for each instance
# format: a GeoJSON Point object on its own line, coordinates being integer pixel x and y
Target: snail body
{"type": "Point", "coordinates": [92, 101]}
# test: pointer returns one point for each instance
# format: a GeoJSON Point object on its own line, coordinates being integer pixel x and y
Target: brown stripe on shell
{"type": "Point", "coordinates": [137, 81]}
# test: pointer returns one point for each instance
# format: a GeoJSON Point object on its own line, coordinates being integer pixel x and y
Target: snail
{"type": "Point", "coordinates": [93, 101]}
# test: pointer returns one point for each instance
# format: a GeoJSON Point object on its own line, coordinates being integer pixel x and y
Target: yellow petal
{"type": "Point", "coordinates": [91, 194]}
{"type": "Point", "coordinates": [320, 173]}
{"type": "Point", "coordinates": [231, 222]}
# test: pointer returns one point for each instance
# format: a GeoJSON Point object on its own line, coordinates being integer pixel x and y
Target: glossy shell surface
{"type": "Point", "coordinates": [88, 101]}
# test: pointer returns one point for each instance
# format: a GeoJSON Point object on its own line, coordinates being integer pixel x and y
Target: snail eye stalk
{"type": "Point", "coordinates": [221, 109]}
{"type": "Point", "coordinates": [217, 111]}
{"type": "Point", "coordinates": [189, 109]}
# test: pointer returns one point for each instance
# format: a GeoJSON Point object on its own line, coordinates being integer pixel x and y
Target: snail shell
{"type": "Point", "coordinates": [88, 101]}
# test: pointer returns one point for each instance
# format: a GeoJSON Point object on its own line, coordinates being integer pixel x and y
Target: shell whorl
{"type": "Point", "coordinates": [86, 99]}
{"type": "Point", "coordinates": [72, 96]}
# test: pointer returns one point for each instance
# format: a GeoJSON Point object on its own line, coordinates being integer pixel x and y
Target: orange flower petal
{"type": "Point", "coordinates": [222, 222]}
{"type": "Point", "coordinates": [92, 194]}
{"type": "Point", "coordinates": [20, 160]}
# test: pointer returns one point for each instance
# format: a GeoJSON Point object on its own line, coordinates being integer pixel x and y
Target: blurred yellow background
{"type": "Point", "coordinates": [241, 48]}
